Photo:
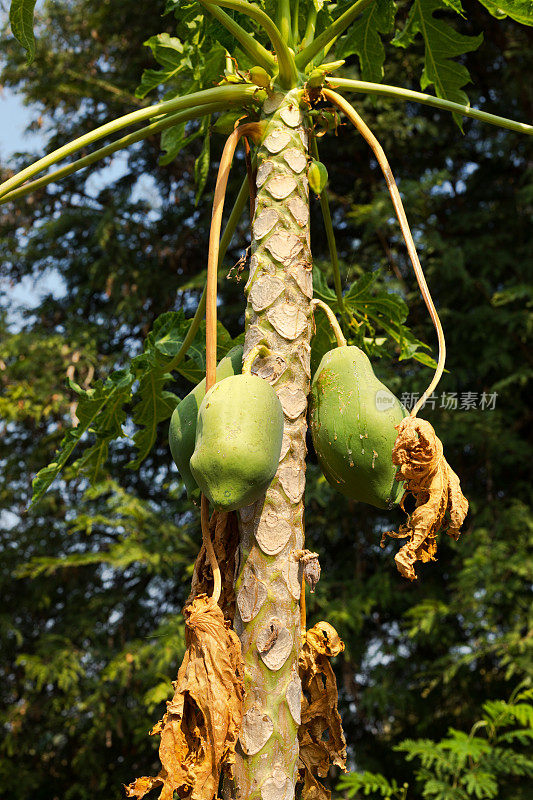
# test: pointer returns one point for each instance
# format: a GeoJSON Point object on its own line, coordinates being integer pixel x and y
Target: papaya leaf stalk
{"type": "Point", "coordinates": [288, 75]}
{"type": "Point", "coordinates": [330, 233]}
{"type": "Point", "coordinates": [251, 128]}
{"type": "Point", "coordinates": [407, 95]}
{"type": "Point", "coordinates": [225, 240]}
{"type": "Point", "coordinates": [113, 147]}
{"type": "Point", "coordinates": [381, 158]}
{"type": "Point", "coordinates": [254, 49]}
{"type": "Point", "coordinates": [229, 95]}
{"type": "Point", "coordinates": [334, 30]}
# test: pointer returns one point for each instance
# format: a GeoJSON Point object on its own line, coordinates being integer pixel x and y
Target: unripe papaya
{"type": "Point", "coordinates": [260, 77]}
{"type": "Point", "coordinates": [182, 431]}
{"type": "Point", "coordinates": [317, 176]}
{"type": "Point", "coordinates": [352, 416]}
{"type": "Point", "coordinates": [238, 441]}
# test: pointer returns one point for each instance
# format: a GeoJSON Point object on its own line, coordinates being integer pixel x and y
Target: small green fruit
{"type": "Point", "coordinates": [238, 441]}
{"type": "Point", "coordinates": [317, 175]}
{"type": "Point", "coordinates": [260, 77]}
{"type": "Point", "coordinates": [182, 431]}
{"type": "Point", "coordinates": [353, 417]}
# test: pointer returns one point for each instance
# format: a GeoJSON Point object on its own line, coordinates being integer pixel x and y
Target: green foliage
{"type": "Point", "coordinates": [21, 20]}
{"type": "Point", "coordinates": [441, 45]}
{"type": "Point", "coordinates": [188, 65]}
{"type": "Point", "coordinates": [172, 54]}
{"type": "Point", "coordinates": [520, 10]}
{"type": "Point", "coordinates": [102, 409]}
{"type": "Point", "coordinates": [363, 784]}
{"type": "Point", "coordinates": [462, 766]}
{"type": "Point", "coordinates": [363, 39]}
{"type": "Point", "coordinates": [371, 310]}
{"type": "Point", "coordinates": [99, 410]}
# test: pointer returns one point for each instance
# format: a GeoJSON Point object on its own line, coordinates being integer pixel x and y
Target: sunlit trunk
{"type": "Point", "coordinates": [278, 315]}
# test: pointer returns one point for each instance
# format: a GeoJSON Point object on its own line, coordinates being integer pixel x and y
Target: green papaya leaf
{"type": "Point", "coordinates": [155, 404]}
{"type": "Point", "coordinates": [171, 54]}
{"type": "Point", "coordinates": [167, 335]}
{"type": "Point", "coordinates": [442, 44]}
{"type": "Point", "coordinates": [363, 38]}
{"type": "Point", "coordinates": [21, 21]}
{"type": "Point", "coordinates": [519, 10]}
{"type": "Point", "coordinates": [381, 305]}
{"type": "Point", "coordinates": [373, 308]}
{"type": "Point", "coordinates": [97, 413]}
{"type": "Point", "coordinates": [173, 140]}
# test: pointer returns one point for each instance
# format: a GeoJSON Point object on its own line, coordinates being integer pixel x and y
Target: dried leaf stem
{"type": "Point", "coordinates": [369, 137]}
{"type": "Point", "coordinates": [208, 544]}
{"type": "Point", "coordinates": [251, 129]}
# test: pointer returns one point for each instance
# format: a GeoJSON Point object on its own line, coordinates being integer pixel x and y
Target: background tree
{"type": "Point", "coordinates": [90, 619]}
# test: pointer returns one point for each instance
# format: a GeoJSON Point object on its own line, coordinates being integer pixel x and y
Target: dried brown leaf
{"type": "Point", "coordinates": [200, 728]}
{"type": "Point", "coordinates": [419, 454]}
{"type": "Point", "coordinates": [311, 566]}
{"type": "Point", "coordinates": [320, 735]}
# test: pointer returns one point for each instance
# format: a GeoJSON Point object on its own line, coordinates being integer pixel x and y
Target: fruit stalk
{"type": "Point", "coordinates": [278, 315]}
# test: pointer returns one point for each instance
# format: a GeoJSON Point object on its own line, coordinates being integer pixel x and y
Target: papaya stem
{"type": "Point", "coordinates": [252, 129]}
{"type": "Point", "coordinates": [254, 49]}
{"type": "Point", "coordinates": [234, 94]}
{"type": "Point", "coordinates": [295, 23]}
{"type": "Point", "coordinates": [303, 620]}
{"type": "Point", "coordinates": [258, 350]}
{"type": "Point", "coordinates": [333, 321]}
{"type": "Point", "coordinates": [369, 137]}
{"type": "Point", "coordinates": [334, 30]}
{"type": "Point", "coordinates": [330, 235]}
{"type": "Point", "coordinates": [119, 144]}
{"type": "Point", "coordinates": [310, 26]}
{"type": "Point", "coordinates": [208, 544]}
{"type": "Point", "coordinates": [284, 21]}
{"type": "Point", "coordinates": [288, 74]}
{"type": "Point", "coordinates": [398, 93]}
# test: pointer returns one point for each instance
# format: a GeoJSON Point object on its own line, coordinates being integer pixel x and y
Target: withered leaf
{"type": "Point", "coordinates": [200, 728]}
{"type": "Point", "coordinates": [311, 566]}
{"type": "Point", "coordinates": [320, 735]}
{"type": "Point", "coordinates": [419, 454]}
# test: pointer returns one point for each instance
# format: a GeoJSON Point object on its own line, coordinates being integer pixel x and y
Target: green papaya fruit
{"type": "Point", "coordinates": [238, 441]}
{"type": "Point", "coordinates": [317, 175]}
{"type": "Point", "coordinates": [352, 419]}
{"type": "Point", "coordinates": [260, 77]}
{"type": "Point", "coordinates": [182, 431]}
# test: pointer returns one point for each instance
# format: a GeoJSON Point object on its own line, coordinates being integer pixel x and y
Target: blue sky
{"type": "Point", "coordinates": [14, 119]}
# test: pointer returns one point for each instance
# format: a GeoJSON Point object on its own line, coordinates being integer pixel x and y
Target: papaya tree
{"type": "Point", "coordinates": [273, 74]}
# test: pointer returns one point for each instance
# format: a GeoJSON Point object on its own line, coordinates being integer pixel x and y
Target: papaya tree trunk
{"type": "Point", "coordinates": [278, 315]}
